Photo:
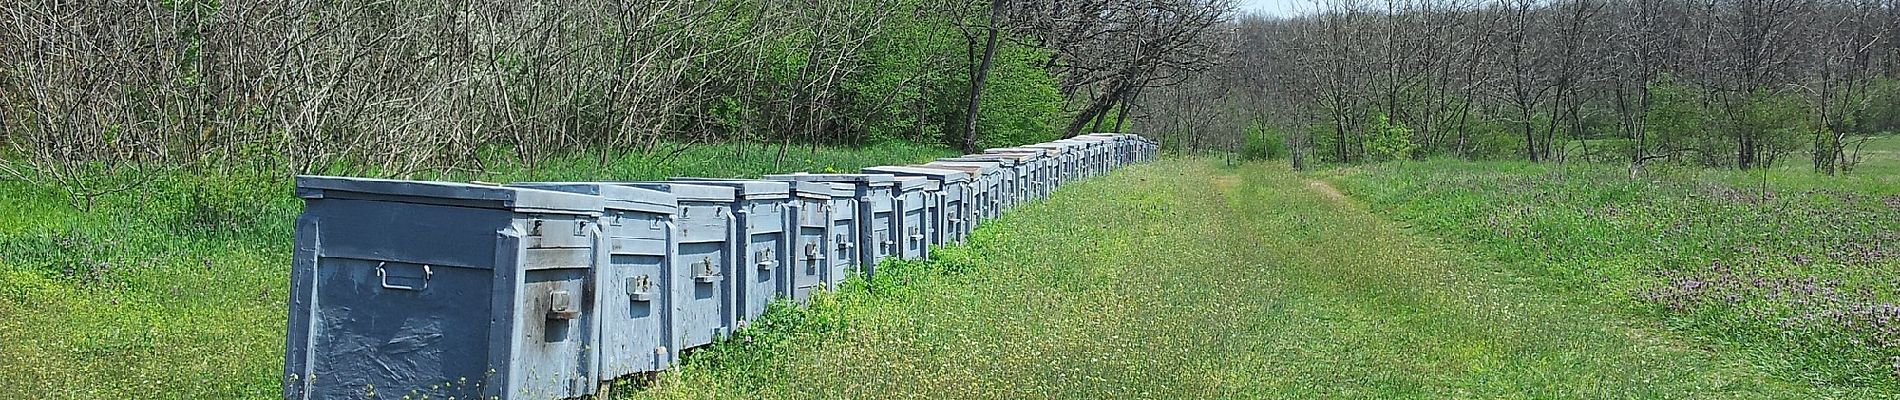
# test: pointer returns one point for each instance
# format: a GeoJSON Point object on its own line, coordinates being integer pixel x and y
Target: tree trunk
{"type": "Point", "coordinates": [980, 75]}
{"type": "Point", "coordinates": [1121, 115]}
{"type": "Point", "coordinates": [1097, 107]}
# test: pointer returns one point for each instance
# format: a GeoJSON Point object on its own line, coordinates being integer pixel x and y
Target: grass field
{"type": "Point", "coordinates": [1792, 272]}
{"type": "Point", "coordinates": [1185, 279]}
{"type": "Point", "coordinates": [178, 291]}
{"type": "Point", "coordinates": [1182, 278]}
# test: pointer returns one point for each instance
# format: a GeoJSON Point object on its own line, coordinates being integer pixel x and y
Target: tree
{"type": "Point", "coordinates": [980, 73]}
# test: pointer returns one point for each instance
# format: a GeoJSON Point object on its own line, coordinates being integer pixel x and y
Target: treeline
{"type": "Point", "coordinates": [395, 87]}
{"type": "Point", "coordinates": [1722, 83]}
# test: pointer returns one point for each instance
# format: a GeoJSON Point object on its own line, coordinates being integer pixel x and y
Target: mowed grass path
{"type": "Point", "coordinates": [1185, 279]}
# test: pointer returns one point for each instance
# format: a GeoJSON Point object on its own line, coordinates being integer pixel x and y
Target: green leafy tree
{"type": "Point", "coordinates": [1021, 104]}
{"type": "Point", "coordinates": [1772, 124]}
{"type": "Point", "coordinates": [1676, 122]}
{"type": "Point", "coordinates": [911, 83]}
{"type": "Point", "coordinates": [1388, 140]}
{"type": "Point", "coordinates": [1264, 142]}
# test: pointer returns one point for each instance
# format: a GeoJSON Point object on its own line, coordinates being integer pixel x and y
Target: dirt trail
{"type": "Point", "coordinates": [1326, 189]}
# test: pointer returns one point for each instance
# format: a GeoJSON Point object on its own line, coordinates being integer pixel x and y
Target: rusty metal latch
{"type": "Point", "coordinates": [561, 305]}
{"type": "Point", "coordinates": [640, 288]}
{"type": "Point", "coordinates": [707, 273]}
{"type": "Point", "coordinates": [765, 259]}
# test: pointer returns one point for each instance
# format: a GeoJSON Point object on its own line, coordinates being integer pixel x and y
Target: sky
{"type": "Point", "coordinates": [1282, 8]}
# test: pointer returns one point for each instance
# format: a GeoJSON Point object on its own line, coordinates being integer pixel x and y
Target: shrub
{"type": "Point", "coordinates": [1264, 142]}
{"type": "Point", "coordinates": [1388, 140]}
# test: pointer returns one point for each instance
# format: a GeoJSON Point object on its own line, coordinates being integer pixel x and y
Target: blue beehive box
{"type": "Point", "coordinates": [955, 198]}
{"type": "Point", "coordinates": [1010, 184]}
{"type": "Point", "coordinates": [631, 290]}
{"type": "Point", "coordinates": [763, 237]}
{"type": "Point", "coordinates": [436, 289]}
{"type": "Point", "coordinates": [842, 234]}
{"type": "Point", "coordinates": [1021, 170]}
{"type": "Point", "coordinates": [1048, 174]}
{"type": "Point", "coordinates": [1064, 156]}
{"type": "Point", "coordinates": [1091, 157]}
{"type": "Point", "coordinates": [1029, 166]}
{"type": "Point", "coordinates": [917, 204]}
{"type": "Point", "coordinates": [705, 231]}
{"type": "Point", "coordinates": [1115, 147]}
{"type": "Point", "coordinates": [986, 180]}
{"type": "Point", "coordinates": [1037, 165]}
{"type": "Point", "coordinates": [1103, 150]}
{"type": "Point", "coordinates": [809, 264]}
{"type": "Point", "coordinates": [877, 216]}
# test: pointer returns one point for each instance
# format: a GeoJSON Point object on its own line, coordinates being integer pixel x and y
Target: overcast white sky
{"type": "Point", "coordinates": [1283, 8]}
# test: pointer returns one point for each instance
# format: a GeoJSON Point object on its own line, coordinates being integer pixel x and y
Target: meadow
{"type": "Point", "coordinates": [1187, 277]}
{"type": "Point", "coordinates": [1794, 271]}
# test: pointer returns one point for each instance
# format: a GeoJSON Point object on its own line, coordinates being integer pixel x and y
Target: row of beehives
{"type": "Point", "coordinates": [405, 289]}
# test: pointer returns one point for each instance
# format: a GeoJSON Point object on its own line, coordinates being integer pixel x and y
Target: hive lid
{"type": "Point", "coordinates": [1082, 142]}
{"type": "Point", "coordinates": [446, 193]}
{"type": "Point", "coordinates": [867, 179]}
{"type": "Point", "coordinates": [1036, 151]}
{"type": "Point", "coordinates": [613, 196]}
{"type": "Point", "coordinates": [840, 189]}
{"type": "Point", "coordinates": [972, 168]}
{"type": "Point", "coordinates": [1058, 146]}
{"type": "Point", "coordinates": [815, 190]}
{"type": "Point", "coordinates": [689, 192]}
{"type": "Point", "coordinates": [985, 158]}
{"type": "Point", "coordinates": [746, 188]}
{"type": "Point", "coordinates": [1018, 156]}
{"type": "Point", "coordinates": [910, 183]}
{"type": "Point", "coordinates": [946, 175]}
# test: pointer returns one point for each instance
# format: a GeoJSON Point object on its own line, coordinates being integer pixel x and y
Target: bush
{"type": "Point", "coordinates": [1388, 140]}
{"type": "Point", "coordinates": [1264, 142]}
{"type": "Point", "coordinates": [1021, 104]}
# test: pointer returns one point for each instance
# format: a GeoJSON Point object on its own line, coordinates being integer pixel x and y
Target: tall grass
{"type": "Point", "coordinates": [1792, 269]}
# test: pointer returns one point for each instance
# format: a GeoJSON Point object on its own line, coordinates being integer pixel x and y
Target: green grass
{"type": "Point", "coordinates": [1791, 272]}
{"type": "Point", "coordinates": [1175, 279]}
{"type": "Point", "coordinates": [1182, 279]}
{"type": "Point", "coordinates": [178, 291]}
{"type": "Point", "coordinates": [1879, 159]}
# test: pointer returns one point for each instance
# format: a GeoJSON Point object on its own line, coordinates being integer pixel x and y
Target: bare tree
{"type": "Point", "coordinates": [1106, 52]}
